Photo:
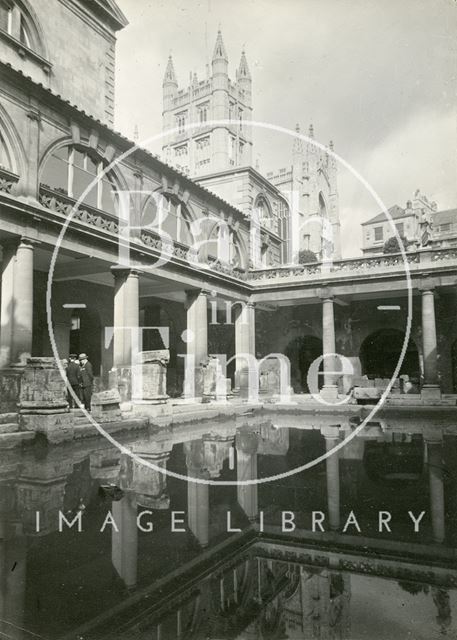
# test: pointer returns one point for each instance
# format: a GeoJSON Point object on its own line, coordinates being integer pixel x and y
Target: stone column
{"type": "Point", "coordinates": [17, 303]}
{"type": "Point", "coordinates": [332, 465]}
{"type": "Point", "coordinates": [435, 477]}
{"type": "Point", "coordinates": [7, 303]}
{"type": "Point", "coordinates": [126, 314]}
{"type": "Point", "coordinates": [429, 345]}
{"type": "Point", "coordinates": [330, 390]}
{"type": "Point", "coordinates": [21, 344]}
{"type": "Point", "coordinates": [244, 343]}
{"type": "Point", "coordinates": [197, 342]}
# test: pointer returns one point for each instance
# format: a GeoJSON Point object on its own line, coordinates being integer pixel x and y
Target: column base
{"type": "Point", "coordinates": [156, 400]}
{"type": "Point", "coordinates": [120, 378]}
{"type": "Point", "coordinates": [430, 393]}
{"type": "Point", "coordinates": [329, 392]}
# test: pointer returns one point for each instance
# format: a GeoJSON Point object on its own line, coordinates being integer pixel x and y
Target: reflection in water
{"type": "Point", "coordinates": [360, 546]}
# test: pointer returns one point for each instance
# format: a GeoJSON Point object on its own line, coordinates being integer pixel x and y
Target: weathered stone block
{"type": "Point", "coordinates": [105, 406]}
{"type": "Point", "coordinates": [43, 406]}
{"type": "Point", "coordinates": [57, 427]}
{"type": "Point", "coordinates": [42, 386]}
{"type": "Point", "coordinates": [213, 382]}
{"type": "Point", "coordinates": [10, 386]}
{"type": "Point", "coordinates": [149, 377]}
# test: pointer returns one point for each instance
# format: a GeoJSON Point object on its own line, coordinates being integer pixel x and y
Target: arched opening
{"type": "Point", "coordinates": [302, 352]}
{"type": "Point", "coordinates": [224, 245]}
{"type": "Point", "coordinates": [19, 21]}
{"type": "Point", "coordinates": [85, 336]}
{"type": "Point", "coordinates": [5, 154]}
{"type": "Point", "coordinates": [71, 169]}
{"type": "Point", "coordinates": [322, 206]}
{"type": "Point", "coordinates": [381, 350]}
{"type": "Point", "coordinates": [264, 214]}
{"type": "Point", "coordinates": [170, 215]}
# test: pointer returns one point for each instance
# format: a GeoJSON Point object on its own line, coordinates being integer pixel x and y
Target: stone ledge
{"type": "Point", "coordinates": [12, 440]}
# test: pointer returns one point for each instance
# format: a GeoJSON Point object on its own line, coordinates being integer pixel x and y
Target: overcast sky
{"type": "Point", "coordinates": [378, 77]}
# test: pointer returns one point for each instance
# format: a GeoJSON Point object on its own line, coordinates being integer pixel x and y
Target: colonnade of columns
{"type": "Point", "coordinates": [16, 317]}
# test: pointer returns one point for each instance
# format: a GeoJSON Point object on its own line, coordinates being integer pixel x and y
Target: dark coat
{"type": "Point", "coordinates": [74, 373]}
{"type": "Point", "coordinates": [87, 375]}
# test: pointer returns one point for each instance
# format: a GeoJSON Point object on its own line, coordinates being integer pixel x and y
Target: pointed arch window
{"type": "Point", "coordinates": [322, 206]}
{"type": "Point", "coordinates": [5, 154]}
{"type": "Point", "coordinates": [224, 245]}
{"type": "Point", "coordinates": [71, 170]}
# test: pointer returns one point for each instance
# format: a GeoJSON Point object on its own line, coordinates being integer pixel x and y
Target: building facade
{"type": "Point", "coordinates": [419, 223]}
{"type": "Point", "coordinates": [193, 253]}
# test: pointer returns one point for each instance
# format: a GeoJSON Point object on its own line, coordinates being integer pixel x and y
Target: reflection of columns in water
{"type": "Point", "coordinates": [246, 445]}
{"type": "Point", "coordinates": [197, 341]}
{"type": "Point", "coordinates": [435, 475]}
{"type": "Point", "coordinates": [197, 493]}
{"type": "Point", "coordinates": [332, 465]}
{"type": "Point", "coordinates": [13, 559]}
{"type": "Point", "coordinates": [198, 511]}
{"type": "Point", "coordinates": [124, 543]}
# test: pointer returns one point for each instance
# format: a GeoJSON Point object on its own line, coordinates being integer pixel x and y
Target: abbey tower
{"type": "Point", "coordinates": [204, 148]}
{"type": "Point", "coordinates": [219, 156]}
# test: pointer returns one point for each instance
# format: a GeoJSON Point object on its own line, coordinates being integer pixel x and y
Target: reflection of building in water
{"type": "Point", "coordinates": [288, 582]}
{"type": "Point", "coordinates": [319, 606]}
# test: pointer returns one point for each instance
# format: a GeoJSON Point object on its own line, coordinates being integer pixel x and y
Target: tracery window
{"type": "Point", "coordinates": [181, 122]}
{"type": "Point", "coordinates": [203, 113]}
{"type": "Point", "coordinates": [72, 170]}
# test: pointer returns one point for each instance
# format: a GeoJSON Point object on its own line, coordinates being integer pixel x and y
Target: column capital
{"type": "Point", "coordinates": [242, 304]}
{"type": "Point", "coordinates": [123, 272]}
{"type": "Point", "coordinates": [194, 293]}
{"type": "Point", "coordinates": [427, 285]}
{"type": "Point", "coordinates": [331, 432]}
{"type": "Point", "coordinates": [26, 241]}
{"type": "Point", "coordinates": [325, 294]}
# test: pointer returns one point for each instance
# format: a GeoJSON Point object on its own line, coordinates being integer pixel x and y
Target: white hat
{"type": "Point", "coordinates": [82, 356]}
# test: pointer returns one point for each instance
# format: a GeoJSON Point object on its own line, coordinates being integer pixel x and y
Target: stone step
{"type": "Point", "coordinates": [11, 440]}
{"type": "Point", "coordinates": [8, 418]}
{"type": "Point", "coordinates": [12, 427]}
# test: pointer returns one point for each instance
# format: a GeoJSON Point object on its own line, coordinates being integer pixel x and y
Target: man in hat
{"type": "Point", "coordinates": [87, 380]}
{"type": "Point", "coordinates": [74, 378]}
